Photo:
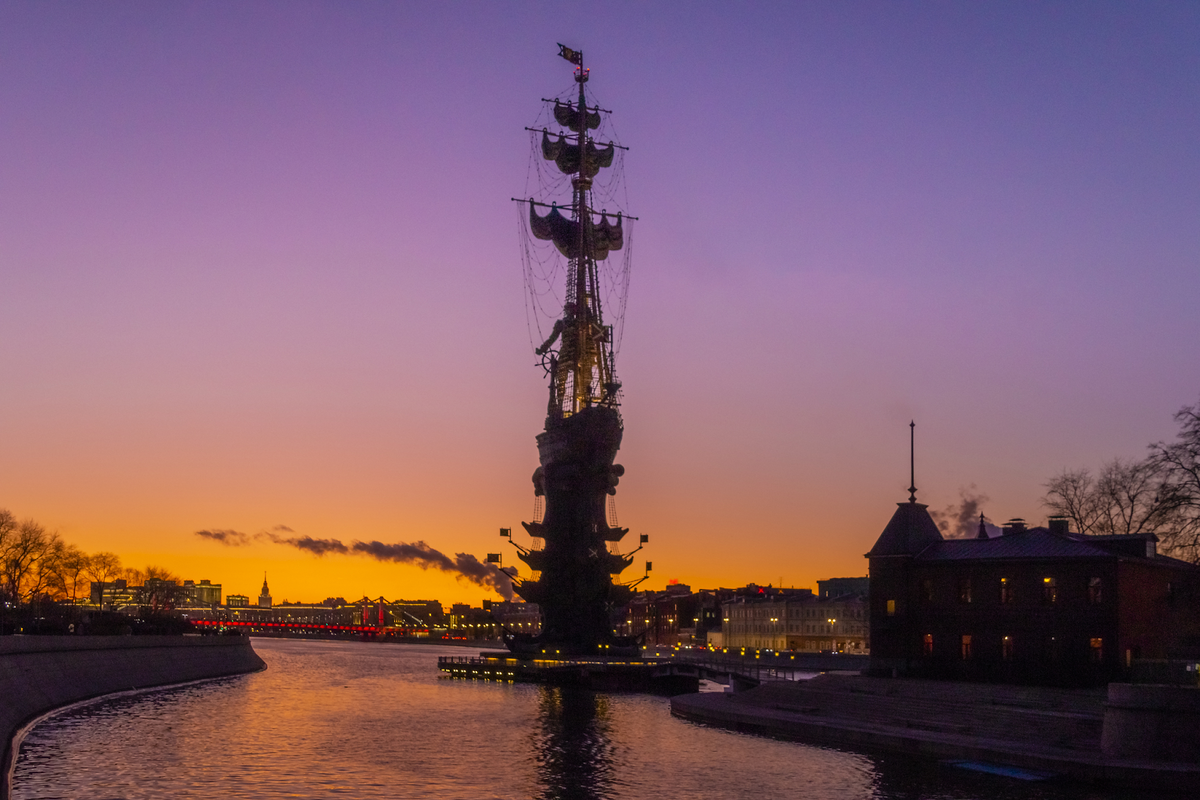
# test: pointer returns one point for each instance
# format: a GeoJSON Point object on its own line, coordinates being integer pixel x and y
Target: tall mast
{"type": "Point", "coordinates": [583, 372]}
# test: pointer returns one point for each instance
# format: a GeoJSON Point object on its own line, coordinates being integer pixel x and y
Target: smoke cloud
{"type": "Point", "coordinates": [961, 520]}
{"type": "Point", "coordinates": [422, 555]}
{"type": "Point", "coordinates": [317, 547]}
{"type": "Point", "coordinates": [419, 554]}
{"type": "Point", "coordinates": [226, 537]}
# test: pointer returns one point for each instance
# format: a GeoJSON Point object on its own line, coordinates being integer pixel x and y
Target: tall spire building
{"type": "Point", "coordinates": [264, 597]}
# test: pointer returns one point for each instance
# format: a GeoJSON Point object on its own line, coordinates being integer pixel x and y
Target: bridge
{"type": "Point", "coordinates": [677, 673]}
{"type": "Point", "coordinates": [287, 627]}
{"type": "Point", "coordinates": [744, 670]}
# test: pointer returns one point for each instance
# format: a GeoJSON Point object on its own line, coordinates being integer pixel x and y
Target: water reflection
{"type": "Point", "coordinates": [572, 744]}
{"type": "Point", "coordinates": [374, 722]}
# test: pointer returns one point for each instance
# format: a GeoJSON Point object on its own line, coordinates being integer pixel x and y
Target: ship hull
{"type": "Point", "coordinates": [575, 589]}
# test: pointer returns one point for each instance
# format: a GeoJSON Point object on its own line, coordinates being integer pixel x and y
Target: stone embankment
{"type": "Point", "coordinates": [1087, 735]}
{"type": "Point", "coordinates": [41, 673]}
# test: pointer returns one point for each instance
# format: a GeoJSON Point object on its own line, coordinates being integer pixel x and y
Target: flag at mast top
{"type": "Point", "coordinates": [574, 56]}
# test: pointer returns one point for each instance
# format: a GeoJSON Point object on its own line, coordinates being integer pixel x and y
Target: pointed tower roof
{"type": "Point", "coordinates": [983, 534]}
{"type": "Point", "coordinates": [265, 590]}
{"type": "Point", "coordinates": [911, 529]}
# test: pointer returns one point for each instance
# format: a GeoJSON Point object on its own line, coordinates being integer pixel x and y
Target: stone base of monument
{"type": "Point", "coordinates": [647, 675]}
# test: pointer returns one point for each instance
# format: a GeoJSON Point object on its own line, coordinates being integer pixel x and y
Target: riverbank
{"type": "Point", "coordinates": [41, 673]}
{"type": "Point", "coordinates": [1055, 732]}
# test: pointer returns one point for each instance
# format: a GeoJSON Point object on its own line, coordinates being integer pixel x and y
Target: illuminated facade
{"type": "Point", "coordinates": [797, 621]}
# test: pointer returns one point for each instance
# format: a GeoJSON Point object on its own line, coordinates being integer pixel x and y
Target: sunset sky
{"type": "Point", "coordinates": [259, 268]}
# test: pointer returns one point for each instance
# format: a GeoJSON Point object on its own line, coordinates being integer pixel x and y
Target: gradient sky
{"type": "Point", "coordinates": [259, 267]}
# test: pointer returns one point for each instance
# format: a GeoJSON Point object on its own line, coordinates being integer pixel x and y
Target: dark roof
{"type": "Point", "coordinates": [1030, 543]}
{"type": "Point", "coordinates": [910, 531]}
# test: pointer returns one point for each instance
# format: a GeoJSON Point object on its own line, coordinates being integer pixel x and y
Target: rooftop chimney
{"type": "Point", "coordinates": [1015, 525]}
{"type": "Point", "coordinates": [1060, 525]}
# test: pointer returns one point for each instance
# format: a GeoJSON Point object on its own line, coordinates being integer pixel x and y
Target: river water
{"type": "Point", "coordinates": [369, 720]}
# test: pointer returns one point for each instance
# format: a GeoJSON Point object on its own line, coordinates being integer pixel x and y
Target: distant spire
{"type": "Point", "coordinates": [912, 462]}
{"type": "Point", "coordinates": [983, 534]}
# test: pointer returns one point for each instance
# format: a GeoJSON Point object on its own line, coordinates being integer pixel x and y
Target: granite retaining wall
{"type": "Point", "coordinates": [1046, 731]}
{"type": "Point", "coordinates": [41, 673]}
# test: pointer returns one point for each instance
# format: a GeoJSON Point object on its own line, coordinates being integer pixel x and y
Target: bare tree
{"type": "Point", "coordinates": [8, 535]}
{"type": "Point", "coordinates": [1179, 462]}
{"type": "Point", "coordinates": [1073, 494]}
{"type": "Point", "coordinates": [29, 559]}
{"type": "Point", "coordinates": [1126, 497]}
{"type": "Point", "coordinates": [103, 569]}
{"type": "Point", "coordinates": [69, 574]}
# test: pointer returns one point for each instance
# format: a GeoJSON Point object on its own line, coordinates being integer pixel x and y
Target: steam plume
{"type": "Point", "coordinates": [317, 547]}
{"type": "Point", "coordinates": [419, 554]}
{"type": "Point", "coordinates": [226, 537]}
{"type": "Point", "coordinates": [961, 520]}
{"type": "Point", "coordinates": [422, 555]}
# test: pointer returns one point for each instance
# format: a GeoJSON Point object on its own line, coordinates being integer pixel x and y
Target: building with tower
{"type": "Point", "coordinates": [264, 597]}
{"type": "Point", "coordinates": [1039, 605]}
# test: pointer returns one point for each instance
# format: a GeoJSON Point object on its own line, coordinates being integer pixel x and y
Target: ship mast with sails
{"type": "Point", "coordinates": [574, 555]}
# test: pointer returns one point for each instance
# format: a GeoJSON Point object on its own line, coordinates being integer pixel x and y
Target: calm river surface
{"type": "Point", "coordinates": [365, 720]}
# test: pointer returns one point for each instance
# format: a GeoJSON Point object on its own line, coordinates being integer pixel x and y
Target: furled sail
{"type": "Point", "coordinates": [607, 236]}
{"type": "Point", "coordinates": [564, 232]}
{"type": "Point", "coordinates": [567, 115]}
{"type": "Point", "coordinates": [566, 155]}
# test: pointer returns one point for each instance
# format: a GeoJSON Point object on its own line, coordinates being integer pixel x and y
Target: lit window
{"type": "Point", "coordinates": [891, 608]}
{"type": "Point", "coordinates": [1006, 593]}
{"type": "Point", "coordinates": [1049, 590]}
{"type": "Point", "coordinates": [1006, 648]}
{"type": "Point", "coordinates": [927, 645]}
{"type": "Point", "coordinates": [1097, 650]}
{"type": "Point", "coordinates": [966, 647]}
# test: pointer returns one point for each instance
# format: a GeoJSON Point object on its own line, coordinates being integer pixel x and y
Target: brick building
{"type": "Point", "coordinates": [674, 616]}
{"type": "Point", "coordinates": [1034, 605]}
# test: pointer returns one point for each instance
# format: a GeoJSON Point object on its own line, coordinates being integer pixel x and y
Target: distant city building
{"type": "Point", "coordinates": [674, 616]}
{"type": "Point", "coordinates": [797, 620]}
{"type": "Point", "coordinates": [408, 617]}
{"type": "Point", "coordinates": [1034, 605]}
{"type": "Point", "coordinates": [156, 593]}
{"type": "Point", "coordinates": [836, 587]}
{"type": "Point", "coordinates": [518, 617]}
{"type": "Point", "coordinates": [203, 593]}
{"type": "Point", "coordinates": [111, 594]}
{"type": "Point", "coordinates": [264, 597]}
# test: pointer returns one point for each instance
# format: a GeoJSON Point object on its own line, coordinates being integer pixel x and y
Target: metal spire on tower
{"type": "Point", "coordinates": [912, 462]}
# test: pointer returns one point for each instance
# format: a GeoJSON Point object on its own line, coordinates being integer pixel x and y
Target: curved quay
{"type": "Point", "coordinates": [44, 675]}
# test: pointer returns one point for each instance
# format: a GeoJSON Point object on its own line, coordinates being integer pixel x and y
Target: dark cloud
{"type": "Point", "coordinates": [283, 529]}
{"type": "Point", "coordinates": [226, 537]}
{"type": "Point", "coordinates": [422, 555]}
{"type": "Point", "coordinates": [317, 547]}
{"type": "Point", "coordinates": [419, 554]}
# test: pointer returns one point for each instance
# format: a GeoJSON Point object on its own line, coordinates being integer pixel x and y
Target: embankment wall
{"type": "Point", "coordinates": [41, 673]}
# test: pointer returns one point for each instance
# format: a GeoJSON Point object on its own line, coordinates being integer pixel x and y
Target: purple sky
{"type": "Point", "coordinates": [258, 266]}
